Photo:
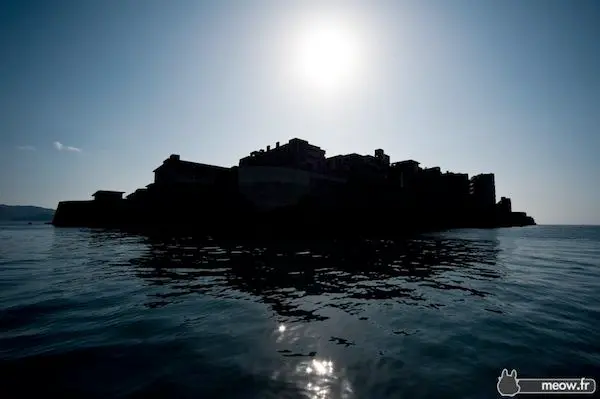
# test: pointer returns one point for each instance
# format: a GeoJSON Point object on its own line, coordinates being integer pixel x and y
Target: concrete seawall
{"type": "Point", "coordinates": [219, 217]}
{"type": "Point", "coordinates": [90, 214]}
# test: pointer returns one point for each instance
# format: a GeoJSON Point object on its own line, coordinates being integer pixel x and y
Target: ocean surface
{"type": "Point", "coordinates": [100, 314]}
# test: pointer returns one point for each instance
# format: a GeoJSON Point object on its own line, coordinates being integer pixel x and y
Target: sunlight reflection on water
{"type": "Point", "coordinates": [322, 380]}
{"type": "Point", "coordinates": [318, 378]}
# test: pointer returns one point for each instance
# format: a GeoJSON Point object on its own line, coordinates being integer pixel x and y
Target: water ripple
{"type": "Point", "coordinates": [101, 313]}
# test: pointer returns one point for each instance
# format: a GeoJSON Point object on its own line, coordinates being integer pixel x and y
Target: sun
{"type": "Point", "coordinates": [326, 56]}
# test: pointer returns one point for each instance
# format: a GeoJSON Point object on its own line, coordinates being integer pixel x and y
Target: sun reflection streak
{"type": "Point", "coordinates": [317, 377]}
{"type": "Point", "coordinates": [320, 367]}
{"type": "Point", "coordinates": [317, 392]}
{"type": "Point", "coordinates": [324, 381]}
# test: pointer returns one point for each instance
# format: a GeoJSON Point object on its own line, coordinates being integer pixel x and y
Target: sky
{"type": "Point", "coordinates": [96, 94]}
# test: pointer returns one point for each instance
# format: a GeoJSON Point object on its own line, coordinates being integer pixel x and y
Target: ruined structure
{"type": "Point", "coordinates": [294, 188]}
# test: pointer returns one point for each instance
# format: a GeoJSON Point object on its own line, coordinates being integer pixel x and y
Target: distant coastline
{"type": "Point", "coordinates": [25, 213]}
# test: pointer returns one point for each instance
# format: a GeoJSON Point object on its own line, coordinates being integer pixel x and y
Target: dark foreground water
{"type": "Point", "coordinates": [87, 313]}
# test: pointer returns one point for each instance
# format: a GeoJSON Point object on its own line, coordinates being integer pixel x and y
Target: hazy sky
{"type": "Point", "coordinates": [95, 94]}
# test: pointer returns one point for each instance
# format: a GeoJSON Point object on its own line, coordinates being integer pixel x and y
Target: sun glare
{"type": "Point", "coordinates": [326, 56]}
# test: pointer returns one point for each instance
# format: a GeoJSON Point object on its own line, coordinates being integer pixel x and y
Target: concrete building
{"type": "Point", "coordinates": [297, 153]}
{"type": "Point", "coordinates": [359, 166]}
{"type": "Point", "coordinates": [456, 186]}
{"type": "Point", "coordinates": [175, 171]}
{"type": "Point", "coordinates": [270, 187]}
{"type": "Point", "coordinates": [404, 173]}
{"type": "Point", "coordinates": [434, 171]}
{"type": "Point", "coordinates": [408, 165]}
{"type": "Point", "coordinates": [382, 157]}
{"type": "Point", "coordinates": [504, 206]}
{"type": "Point", "coordinates": [286, 175]}
{"type": "Point", "coordinates": [431, 191]}
{"type": "Point", "coordinates": [455, 194]}
{"type": "Point", "coordinates": [343, 165]}
{"type": "Point", "coordinates": [139, 194]}
{"type": "Point", "coordinates": [483, 191]}
{"type": "Point", "coordinates": [105, 195]}
{"type": "Point", "coordinates": [302, 188]}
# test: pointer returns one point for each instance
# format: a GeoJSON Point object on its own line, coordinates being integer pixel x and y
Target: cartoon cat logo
{"type": "Point", "coordinates": [508, 384]}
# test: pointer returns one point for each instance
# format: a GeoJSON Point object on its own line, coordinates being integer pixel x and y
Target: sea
{"type": "Point", "coordinates": [88, 313]}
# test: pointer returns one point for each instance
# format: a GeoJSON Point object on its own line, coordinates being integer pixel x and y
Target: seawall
{"type": "Point", "coordinates": [90, 214]}
{"type": "Point", "coordinates": [232, 218]}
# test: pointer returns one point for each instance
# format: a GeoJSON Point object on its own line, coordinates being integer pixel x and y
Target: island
{"type": "Point", "coordinates": [294, 189]}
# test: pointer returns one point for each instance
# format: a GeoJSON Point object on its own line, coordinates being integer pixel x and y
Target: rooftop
{"type": "Point", "coordinates": [175, 160]}
{"type": "Point", "coordinates": [406, 163]}
{"type": "Point", "coordinates": [107, 192]}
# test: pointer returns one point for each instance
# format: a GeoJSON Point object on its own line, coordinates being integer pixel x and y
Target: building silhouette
{"type": "Point", "coordinates": [483, 191]}
{"type": "Point", "coordinates": [108, 196]}
{"type": "Point", "coordinates": [294, 186]}
{"type": "Point", "coordinates": [297, 153]}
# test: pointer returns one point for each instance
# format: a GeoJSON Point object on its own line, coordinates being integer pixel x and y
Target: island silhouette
{"type": "Point", "coordinates": [295, 190]}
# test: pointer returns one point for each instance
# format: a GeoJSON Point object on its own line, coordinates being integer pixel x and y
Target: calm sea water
{"type": "Point", "coordinates": [90, 313]}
